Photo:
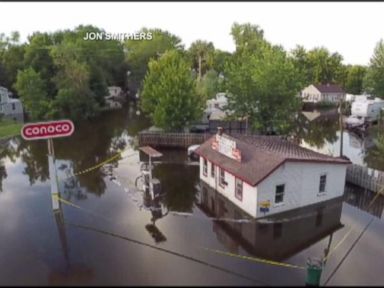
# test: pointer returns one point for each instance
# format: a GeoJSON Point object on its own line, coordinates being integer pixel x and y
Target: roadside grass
{"type": "Point", "coordinates": [9, 128]}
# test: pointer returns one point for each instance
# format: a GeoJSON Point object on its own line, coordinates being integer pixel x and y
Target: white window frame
{"type": "Point", "coordinates": [281, 202]}
{"type": "Point", "coordinates": [205, 167]}
{"type": "Point", "coordinates": [321, 192]}
{"type": "Point", "coordinates": [221, 177]}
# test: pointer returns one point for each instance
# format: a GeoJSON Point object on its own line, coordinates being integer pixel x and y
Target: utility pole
{"type": "Point", "coordinates": [341, 127]}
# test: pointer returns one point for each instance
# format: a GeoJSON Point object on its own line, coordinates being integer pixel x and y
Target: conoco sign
{"type": "Point", "coordinates": [46, 130]}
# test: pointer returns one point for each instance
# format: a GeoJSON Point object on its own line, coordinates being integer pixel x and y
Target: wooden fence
{"type": "Point", "coordinates": [171, 140]}
{"type": "Point", "coordinates": [366, 177]}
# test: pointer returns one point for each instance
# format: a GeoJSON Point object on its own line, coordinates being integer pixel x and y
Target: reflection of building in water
{"type": "Point", "coordinates": [277, 237]}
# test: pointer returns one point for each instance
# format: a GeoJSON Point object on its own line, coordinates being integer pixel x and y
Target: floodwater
{"type": "Point", "coordinates": [108, 232]}
{"type": "Point", "coordinates": [319, 130]}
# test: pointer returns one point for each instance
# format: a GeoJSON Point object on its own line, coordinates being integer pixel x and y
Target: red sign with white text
{"type": "Point", "coordinates": [45, 130]}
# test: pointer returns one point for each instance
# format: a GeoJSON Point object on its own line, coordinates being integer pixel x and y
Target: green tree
{"type": "Point", "coordinates": [32, 91]}
{"type": "Point", "coordinates": [220, 59]}
{"type": "Point", "coordinates": [74, 99]}
{"type": "Point", "coordinates": [325, 67]}
{"type": "Point", "coordinates": [373, 81]}
{"type": "Point", "coordinates": [248, 38]}
{"type": "Point", "coordinates": [37, 56]}
{"type": "Point", "coordinates": [264, 88]}
{"type": "Point", "coordinates": [202, 56]}
{"type": "Point", "coordinates": [354, 79]}
{"type": "Point", "coordinates": [169, 92]}
{"type": "Point", "coordinates": [11, 58]}
{"type": "Point", "coordinates": [319, 66]}
{"type": "Point", "coordinates": [140, 52]}
{"type": "Point", "coordinates": [209, 86]}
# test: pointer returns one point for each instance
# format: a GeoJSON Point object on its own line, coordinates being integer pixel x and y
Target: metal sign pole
{"type": "Point", "coordinates": [53, 175]}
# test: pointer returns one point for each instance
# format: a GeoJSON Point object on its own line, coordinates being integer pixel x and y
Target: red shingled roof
{"type": "Point", "coordinates": [329, 88]}
{"type": "Point", "coordinates": [261, 155]}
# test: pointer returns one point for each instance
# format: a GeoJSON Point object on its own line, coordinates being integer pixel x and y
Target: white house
{"type": "Point", "coordinates": [114, 98]}
{"type": "Point", "coordinates": [322, 93]}
{"type": "Point", "coordinates": [114, 91]}
{"type": "Point", "coordinates": [215, 108]}
{"type": "Point", "coordinates": [10, 107]}
{"type": "Point", "coordinates": [265, 175]}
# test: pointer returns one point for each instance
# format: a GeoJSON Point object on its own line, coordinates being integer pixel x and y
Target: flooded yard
{"type": "Point", "coordinates": [107, 232]}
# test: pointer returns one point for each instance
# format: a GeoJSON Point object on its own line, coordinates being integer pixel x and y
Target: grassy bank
{"type": "Point", "coordinates": [9, 128]}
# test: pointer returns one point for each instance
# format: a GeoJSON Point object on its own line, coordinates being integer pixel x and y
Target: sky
{"type": "Point", "coordinates": [351, 29]}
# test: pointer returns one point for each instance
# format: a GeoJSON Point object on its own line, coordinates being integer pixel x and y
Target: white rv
{"type": "Point", "coordinates": [363, 111]}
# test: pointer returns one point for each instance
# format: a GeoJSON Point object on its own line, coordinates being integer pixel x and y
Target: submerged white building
{"type": "Point", "coordinates": [265, 175]}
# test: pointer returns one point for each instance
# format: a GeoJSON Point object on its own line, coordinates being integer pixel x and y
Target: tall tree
{"type": "Point", "coordinates": [37, 56]}
{"type": "Point", "coordinates": [140, 52]}
{"type": "Point", "coordinates": [373, 81]}
{"type": "Point", "coordinates": [220, 59]}
{"type": "Point", "coordinates": [169, 92]}
{"type": "Point", "coordinates": [209, 86]}
{"type": "Point", "coordinates": [354, 79]}
{"type": "Point", "coordinates": [248, 38]}
{"type": "Point", "coordinates": [11, 58]}
{"type": "Point", "coordinates": [202, 55]}
{"type": "Point", "coordinates": [32, 91]}
{"type": "Point", "coordinates": [319, 66]}
{"type": "Point", "coordinates": [263, 87]}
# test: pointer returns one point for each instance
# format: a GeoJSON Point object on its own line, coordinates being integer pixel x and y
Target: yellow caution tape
{"type": "Point", "coordinates": [98, 165]}
{"type": "Point", "coordinates": [56, 195]}
{"type": "Point", "coordinates": [260, 260]}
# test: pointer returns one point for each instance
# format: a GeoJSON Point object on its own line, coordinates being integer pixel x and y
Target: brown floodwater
{"type": "Point", "coordinates": [108, 232]}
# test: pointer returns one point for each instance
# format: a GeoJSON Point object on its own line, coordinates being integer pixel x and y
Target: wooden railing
{"type": "Point", "coordinates": [171, 140]}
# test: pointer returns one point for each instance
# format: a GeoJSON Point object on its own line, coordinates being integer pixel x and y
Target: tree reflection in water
{"type": "Point", "coordinates": [92, 142]}
{"type": "Point", "coordinates": [179, 195]}
{"type": "Point", "coordinates": [374, 157]}
{"type": "Point", "coordinates": [317, 127]}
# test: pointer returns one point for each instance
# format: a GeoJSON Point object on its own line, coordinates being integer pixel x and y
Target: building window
{"type": "Point", "coordinates": [205, 167]}
{"type": "Point", "coordinates": [212, 170]}
{"type": "Point", "coordinates": [323, 182]}
{"type": "Point", "coordinates": [13, 106]}
{"type": "Point", "coordinates": [222, 178]}
{"type": "Point", "coordinates": [239, 189]}
{"type": "Point", "coordinates": [279, 194]}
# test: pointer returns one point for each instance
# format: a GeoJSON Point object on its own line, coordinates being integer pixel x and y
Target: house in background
{"type": "Point", "coordinates": [215, 107]}
{"type": "Point", "coordinates": [215, 115]}
{"type": "Point", "coordinates": [10, 107]}
{"type": "Point", "coordinates": [265, 175]}
{"type": "Point", "coordinates": [115, 98]}
{"type": "Point", "coordinates": [322, 93]}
